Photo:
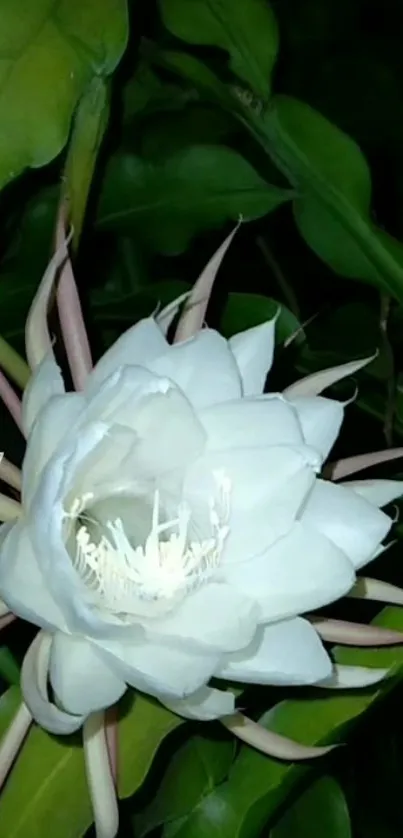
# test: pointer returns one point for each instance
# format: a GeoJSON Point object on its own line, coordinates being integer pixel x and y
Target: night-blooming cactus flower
{"type": "Point", "coordinates": [175, 526]}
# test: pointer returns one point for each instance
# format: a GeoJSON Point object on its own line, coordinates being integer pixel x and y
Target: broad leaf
{"type": "Point", "coordinates": [9, 669]}
{"type": "Point", "coordinates": [195, 73]}
{"type": "Point", "coordinates": [47, 788]}
{"type": "Point", "coordinates": [195, 768]}
{"type": "Point", "coordinates": [48, 55]}
{"type": "Point", "coordinates": [9, 704]}
{"type": "Point", "coordinates": [247, 29]}
{"type": "Point", "coordinates": [142, 727]}
{"type": "Point", "coordinates": [168, 202]}
{"type": "Point", "coordinates": [332, 210]}
{"type": "Point", "coordinates": [320, 810]}
{"type": "Point", "coordinates": [257, 786]}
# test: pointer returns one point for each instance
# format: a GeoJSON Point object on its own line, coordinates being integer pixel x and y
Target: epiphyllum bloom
{"type": "Point", "coordinates": [175, 525]}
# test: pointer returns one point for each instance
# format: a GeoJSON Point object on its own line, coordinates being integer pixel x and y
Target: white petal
{"type": "Point", "coordinates": [46, 381]}
{"type": "Point", "coordinates": [203, 367]}
{"type": "Point", "coordinates": [321, 420]}
{"type": "Point", "coordinates": [251, 422]}
{"type": "Point", "coordinates": [377, 492]}
{"type": "Point", "coordinates": [57, 420]}
{"type": "Point", "coordinates": [159, 669]}
{"type": "Point", "coordinates": [215, 616]}
{"type": "Point", "coordinates": [300, 572]}
{"type": "Point", "coordinates": [204, 705]}
{"type": "Point", "coordinates": [287, 653]}
{"type": "Point", "coordinates": [348, 677]}
{"type": "Point", "coordinates": [117, 397]}
{"type": "Point", "coordinates": [348, 520]}
{"type": "Point", "coordinates": [34, 677]}
{"type": "Point", "coordinates": [166, 317]}
{"type": "Point", "coordinates": [47, 527]}
{"type": "Point", "coordinates": [193, 315]}
{"type": "Point", "coordinates": [138, 346]}
{"type": "Point", "coordinates": [253, 351]}
{"type": "Point", "coordinates": [82, 681]}
{"type": "Point", "coordinates": [313, 384]}
{"type": "Point", "coordinates": [22, 585]}
{"type": "Point", "coordinates": [167, 429]}
{"type": "Point", "coordinates": [267, 488]}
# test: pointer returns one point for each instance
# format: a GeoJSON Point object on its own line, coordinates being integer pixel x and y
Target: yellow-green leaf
{"type": "Point", "coordinates": [49, 52]}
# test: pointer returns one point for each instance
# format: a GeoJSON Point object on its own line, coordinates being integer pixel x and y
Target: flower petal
{"type": "Point", "coordinates": [348, 520]}
{"type": "Point", "coordinates": [253, 351]}
{"type": "Point", "coordinates": [57, 420]}
{"type": "Point", "coordinates": [167, 315]}
{"type": "Point", "coordinates": [353, 677]}
{"type": "Point", "coordinates": [204, 705]}
{"type": "Point", "coordinates": [376, 492]}
{"type": "Point", "coordinates": [214, 616]}
{"type": "Point", "coordinates": [254, 422]}
{"type": "Point", "coordinates": [267, 488]}
{"type": "Point", "coordinates": [22, 585]}
{"type": "Point", "coordinates": [315, 383]}
{"type": "Point", "coordinates": [159, 669]}
{"type": "Point", "coordinates": [34, 676]}
{"type": "Point", "coordinates": [202, 367]}
{"type": "Point", "coordinates": [138, 346]}
{"type": "Point", "coordinates": [286, 653]}
{"type": "Point", "coordinates": [46, 381]}
{"type": "Point", "coordinates": [81, 680]}
{"type": "Point", "coordinates": [320, 419]}
{"type": "Point", "coordinates": [271, 743]}
{"type": "Point", "coordinates": [47, 526]}
{"type": "Point", "coordinates": [300, 572]}
{"type": "Point", "coordinates": [193, 314]}
{"type": "Point", "coordinates": [168, 433]}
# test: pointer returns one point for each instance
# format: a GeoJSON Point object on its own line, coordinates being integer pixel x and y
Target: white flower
{"type": "Point", "coordinates": [175, 526]}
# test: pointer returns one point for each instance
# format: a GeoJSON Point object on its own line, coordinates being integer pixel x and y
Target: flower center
{"type": "Point", "coordinates": [166, 567]}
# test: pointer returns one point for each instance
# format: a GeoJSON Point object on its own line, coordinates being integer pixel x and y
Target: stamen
{"type": "Point", "coordinates": [119, 575]}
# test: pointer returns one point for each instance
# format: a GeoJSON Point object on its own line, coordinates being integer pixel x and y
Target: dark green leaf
{"type": "Point", "coordinates": [170, 201]}
{"type": "Point", "coordinates": [199, 765]}
{"type": "Point", "coordinates": [9, 669]}
{"type": "Point", "coordinates": [9, 704]}
{"type": "Point", "coordinates": [247, 29]}
{"type": "Point", "coordinates": [257, 786]}
{"type": "Point", "coordinates": [333, 207]}
{"type": "Point", "coordinates": [144, 724]}
{"type": "Point", "coordinates": [320, 810]}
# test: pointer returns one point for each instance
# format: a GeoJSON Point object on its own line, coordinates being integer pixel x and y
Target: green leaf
{"type": "Point", "coordinates": [196, 74]}
{"type": "Point", "coordinates": [128, 308]}
{"type": "Point", "coordinates": [48, 55]}
{"type": "Point", "coordinates": [46, 791]}
{"type": "Point", "coordinates": [196, 124]}
{"type": "Point", "coordinates": [9, 704]}
{"type": "Point", "coordinates": [47, 788]}
{"type": "Point", "coordinates": [168, 202]}
{"type": "Point", "coordinates": [242, 311]}
{"type": "Point", "coordinates": [332, 210]}
{"type": "Point", "coordinates": [320, 810]}
{"type": "Point", "coordinates": [247, 29]}
{"type": "Point", "coordinates": [257, 785]}
{"type": "Point", "coordinates": [143, 725]}
{"type": "Point", "coordinates": [199, 765]}
{"type": "Point", "coordinates": [9, 669]}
